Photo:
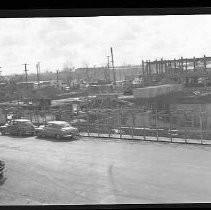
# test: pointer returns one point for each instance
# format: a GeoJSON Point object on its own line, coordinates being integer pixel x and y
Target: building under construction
{"type": "Point", "coordinates": [188, 71]}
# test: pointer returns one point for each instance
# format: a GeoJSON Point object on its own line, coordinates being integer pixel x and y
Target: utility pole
{"type": "Point", "coordinates": [25, 64]}
{"type": "Point", "coordinates": [112, 61]}
{"type": "Point", "coordinates": [108, 72]}
{"type": "Point", "coordinates": [108, 60]}
{"type": "Point", "coordinates": [38, 78]}
{"type": "Point", "coordinates": [57, 78]}
{"type": "Point", "coordinates": [39, 70]}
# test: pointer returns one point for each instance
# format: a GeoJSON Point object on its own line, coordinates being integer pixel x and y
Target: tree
{"type": "Point", "coordinates": [68, 70]}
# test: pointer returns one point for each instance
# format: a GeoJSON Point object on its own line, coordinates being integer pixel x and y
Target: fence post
{"type": "Point", "coordinates": [108, 127]}
{"type": "Point", "coordinates": [185, 127]}
{"type": "Point", "coordinates": [170, 122]}
{"type": "Point", "coordinates": [120, 122]}
{"type": "Point", "coordinates": [98, 123]}
{"type": "Point", "coordinates": [132, 126]}
{"type": "Point", "coordinates": [144, 126]}
{"type": "Point", "coordinates": [201, 123]}
{"type": "Point", "coordinates": [88, 125]}
{"type": "Point", "coordinates": [156, 120]}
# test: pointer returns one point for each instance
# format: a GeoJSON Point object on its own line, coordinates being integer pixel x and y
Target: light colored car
{"type": "Point", "coordinates": [117, 131]}
{"type": "Point", "coordinates": [57, 129]}
{"type": "Point", "coordinates": [18, 127]}
{"type": "Point", "coordinates": [79, 122]}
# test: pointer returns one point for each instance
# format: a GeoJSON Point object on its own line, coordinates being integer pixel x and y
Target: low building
{"type": "Point", "coordinates": [42, 84]}
{"type": "Point", "coordinates": [103, 73]}
{"type": "Point", "coordinates": [25, 85]}
{"type": "Point", "coordinates": [60, 84]}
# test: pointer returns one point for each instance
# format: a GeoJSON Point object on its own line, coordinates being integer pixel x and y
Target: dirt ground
{"type": "Point", "coordinates": [102, 171]}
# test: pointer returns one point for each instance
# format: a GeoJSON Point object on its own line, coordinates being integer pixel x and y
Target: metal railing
{"type": "Point", "coordinates": [152, 125]}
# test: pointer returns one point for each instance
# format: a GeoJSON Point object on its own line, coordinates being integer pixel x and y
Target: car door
{"type": "Point", "coordinates": [55, 130]}
{"type": "Point", "coordinates": [46, 130]}
{"type": "Point", "coordinates": [49, 130]}
{"type": "Point", "coordinates": [13, 127]}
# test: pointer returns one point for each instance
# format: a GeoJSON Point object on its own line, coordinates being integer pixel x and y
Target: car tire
{"type": "Point", "coordinates": [42, 135]}
{"type": "Point", "coordinates": [57, 136]}
{"type": "Point", "coordinates": [38, 134]}
{"type": "Point", "coordinates": [19, 133]}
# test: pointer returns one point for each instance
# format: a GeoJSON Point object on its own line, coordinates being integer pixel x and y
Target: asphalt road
{"type": "Point", "coordinates": [102, 171]}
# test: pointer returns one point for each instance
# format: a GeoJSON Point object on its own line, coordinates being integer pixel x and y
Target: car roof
{"type": "Point", "coordinates": [57, 122]}
{"type": "Point", "coordinates": [21, 120]}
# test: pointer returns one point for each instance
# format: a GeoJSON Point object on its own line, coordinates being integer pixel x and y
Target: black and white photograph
{"type": "Point", "coordinates": [104, 109]}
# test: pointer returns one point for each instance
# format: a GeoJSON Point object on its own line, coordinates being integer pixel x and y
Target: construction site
{"type": "Point", "coordinates": [143, 140]}
{"type": "Point", "coordinates": [166, 98]}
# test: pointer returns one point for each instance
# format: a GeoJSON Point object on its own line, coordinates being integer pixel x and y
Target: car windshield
{"type": "Point", "coordinates": [28, 123]}
{"type": "Point", "coordinates": [64, 125]}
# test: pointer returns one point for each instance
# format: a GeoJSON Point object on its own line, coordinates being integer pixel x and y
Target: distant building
{"type": "Point", "coordinates": [42, 84]}
{"type": "Point", "coordinates": [103, 73]}
{"type": "Point", "coordinates": [60, 84]}
{"type": "Point", "coordinates": [24, 85]}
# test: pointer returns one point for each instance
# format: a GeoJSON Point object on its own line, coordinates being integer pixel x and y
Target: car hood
{"type": "Point", "coordinates": [69, 129]}
{"type": "Point", "coordinates": [3, 126]}
{"type": "Point", "coordinates": [39, 128]}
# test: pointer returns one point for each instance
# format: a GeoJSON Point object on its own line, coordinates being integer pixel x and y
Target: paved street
{"type": "Point", "coordinates": [102, 171]}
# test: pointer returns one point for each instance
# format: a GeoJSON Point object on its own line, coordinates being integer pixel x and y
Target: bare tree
{"type": "Point", "coordinates": [68, 68]}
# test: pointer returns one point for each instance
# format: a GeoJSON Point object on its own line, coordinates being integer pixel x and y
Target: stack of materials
{"type": "Point", "coordinates": [154, 91]}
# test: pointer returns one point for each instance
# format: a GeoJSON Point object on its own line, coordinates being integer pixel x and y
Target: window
{"type": "Point", "coordinates": [50, 125]}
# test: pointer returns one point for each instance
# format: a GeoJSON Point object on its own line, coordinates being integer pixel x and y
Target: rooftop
{"type": "Point", "coordinates": [57, 122]}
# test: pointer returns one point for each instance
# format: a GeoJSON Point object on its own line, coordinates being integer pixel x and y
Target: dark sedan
{"type": "Point", "coordinates": [18, 127]}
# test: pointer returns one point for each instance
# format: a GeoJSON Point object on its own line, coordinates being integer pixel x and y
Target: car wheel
{"type": "Point", "coordinates": [58, 136]}
{"type": "Point", "coordinates": [43, 135]}
{"type": "Point", "coordinates": [19, 133]}
{"type": "Point", "coordinates": [38, 134]}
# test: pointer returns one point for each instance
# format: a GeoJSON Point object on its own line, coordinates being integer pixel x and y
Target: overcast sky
{"type": "Point", "coordinates": [57, 42]}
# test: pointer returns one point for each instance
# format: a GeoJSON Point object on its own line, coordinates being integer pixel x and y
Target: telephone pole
{"type": "Point", "coordinates": [108, 60]}
{"type": "Point", "coordinates": [38, 78]}
{"type": "Point", "coordinates": [112, 61]}
{"type": "Point", "coordinates": [25, 65]}
{"type": "Point", "coordinates": [57, 78]}
{"type": "Point", "coordinates": [107, 72]}
{"type": "Point", "coordinates": [39, 70]}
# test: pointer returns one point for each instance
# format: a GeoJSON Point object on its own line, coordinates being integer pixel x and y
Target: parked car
{"type": "Point", "coordinates": [57, 129]}
{"type": "Point", "coordinates": [79, 122]}
{"type": "Point", "coordinates": [117, 131]}
{"type": "Point", "coordinates": [18, 127]}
